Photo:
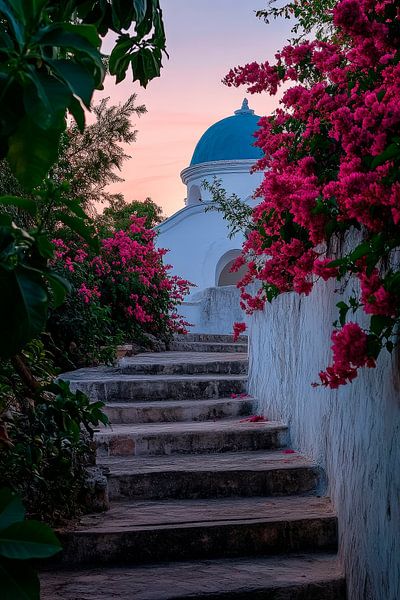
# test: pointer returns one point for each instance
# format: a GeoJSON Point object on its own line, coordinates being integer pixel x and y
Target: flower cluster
{"type": "Point", "coordinates": [331, 162]}
{"type": "Point", "coordinates": [128, 278]}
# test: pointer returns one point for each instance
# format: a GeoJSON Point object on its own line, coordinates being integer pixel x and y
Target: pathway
{"type": "Point", "coordinates": [203, 503]}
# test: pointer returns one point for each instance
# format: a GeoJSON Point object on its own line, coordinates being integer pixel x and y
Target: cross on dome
{"type": "Point", "coordinates": [244, 110]}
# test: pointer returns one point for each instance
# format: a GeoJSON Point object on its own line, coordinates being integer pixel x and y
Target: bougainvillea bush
{"type": "Point", "coordinates": [119, 294]}
{"type": "Point", "coordinates": [332, 157]}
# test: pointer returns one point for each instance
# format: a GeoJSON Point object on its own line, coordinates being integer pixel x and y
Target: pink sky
{"type": "Point", "coordinates": [204, 40]}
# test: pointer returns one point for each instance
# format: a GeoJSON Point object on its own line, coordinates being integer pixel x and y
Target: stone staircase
{"type": "Point", "coordinates": [204, 504]}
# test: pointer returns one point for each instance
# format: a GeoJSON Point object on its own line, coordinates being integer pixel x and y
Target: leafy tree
{"type": "Point", "coordinates": [88, 160]}
{"type": "Point", "coordinates": [314, 16]}
{"type": "Point", "coordinates": [117, 217]}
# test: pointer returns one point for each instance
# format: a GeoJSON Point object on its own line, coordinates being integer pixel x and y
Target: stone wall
{"type": "Point", "coordinates": [353, 433]}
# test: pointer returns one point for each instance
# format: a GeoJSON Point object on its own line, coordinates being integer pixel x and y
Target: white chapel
{"type": "Point", "coordinates": [200, 249]}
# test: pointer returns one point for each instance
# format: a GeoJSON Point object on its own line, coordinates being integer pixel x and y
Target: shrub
{"type": "Point", "coordinates": [332, 157]}
{"type": "Point", "coordinates": [46, 435]}
{"type": "Point", "coordinates": [119, 294]}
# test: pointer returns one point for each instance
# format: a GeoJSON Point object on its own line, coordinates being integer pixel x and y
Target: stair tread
{"type": "Point", "coordinates": [137, 515]}
{"type": "Point", "coordinates": [171, 357]}
{"type": "Point", "coordinates": [182, 427]}
{"type": "Point", "coordinates": [197, 579]}
{"type": "Point", "coordinates": [230, 461]}
{"type": "Point", "coordinates": [177, 403]}
{"type": "Point", "coordinates": [105, 375]}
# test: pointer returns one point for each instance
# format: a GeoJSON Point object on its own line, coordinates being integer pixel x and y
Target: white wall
{"type": "Point", "coordinates": [213, 310]}
{"type": "Point", "coordinates": [353, 433]}
{"type": "Point", "coordinates": [197, 240]}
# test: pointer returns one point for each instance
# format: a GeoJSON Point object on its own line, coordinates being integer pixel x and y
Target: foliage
{"type": "Point", "coordinates": [20, 542]}
{"type": "Point", "coordinates": [236, 212]}
{"type": "Point", "coordinates": [332, 157]}
{"type": "Point", "coordinates": [51, 64]}
{"type": "Point", "coordinates": [118, 215]}
{"type": "Point", "coordinates": [88, 160]}
{"type": "Point", "coordinates": [51, 60]}
{"type": "Point", "coordinates": [313, 16]}
{"type": "Point", "coordinates": [119, 293]}
{"type": "Point", "coordinates": [47, 435]}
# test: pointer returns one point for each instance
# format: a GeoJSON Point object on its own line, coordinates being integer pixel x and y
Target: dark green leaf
{"type": "Point", "coordinates": [19, 202]}
{"type": "Point", "coordinates": [23, 308]}
{"type": "Point", "coordinates": [45, 247]}
{"type": "Point", "coordinates": [78, 79]}
{"type": "Point", "coordinates": [86, 31]}
{"type": "Point", "coordinates": [11, 508]}
{"type": "Point", "coordinates": [32, 151]}
{"type": "Point", "coordinates": [80, 227]}
{"type": "Point", "coordinates": [59, 286]}
{"type": "Point", "coordinates": [29, 539]}
{"type": "Point", "coordinates": [379, 323]}
{"type": "Point", "coordinates": [18, 581]}
{"type": "Point", "coordinates": [389, 153]}
{"type": "Point", "coordinates": [78, 113]}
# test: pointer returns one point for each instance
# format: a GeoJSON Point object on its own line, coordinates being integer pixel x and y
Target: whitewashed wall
{"type": "Point", "coordinates": [353, 433]}
{"type": "Point", "coordinates": [213, 310]}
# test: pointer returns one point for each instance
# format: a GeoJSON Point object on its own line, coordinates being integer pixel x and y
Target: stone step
{"type": "Point", "coordinates": [181, 410]}
{"type": "Point", "coordinates": [185, 438]}
{"type": "Point", "coordinates": [114, 387]}
{"type": "Point", "coordinates": [304, 577]}
{"type": "Point", "coordinates": [186, 346]}
{"type": "Point", "coordinates": [153, 531]}
{"type": "Point", "coordinates": [271, 473]}
{"type": "Point", "coordinates": [185, 363]}
{"type": "Point", "coordinates": [209, 337]}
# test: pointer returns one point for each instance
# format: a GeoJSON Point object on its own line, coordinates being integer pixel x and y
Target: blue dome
{"type": "Point", "coordinates": [229, 139]}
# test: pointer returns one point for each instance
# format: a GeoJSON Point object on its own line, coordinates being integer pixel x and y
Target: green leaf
{"type": "Point", "coordinates": [78, 113]}
{"type": "Point", "coordinates": [11, 508]}
{"type": "Point", "coordinates": [23, 203]}
{"type": "Point", "coordinates": [379, 323]}
{"type": "Point", "coordinates": [343, 310]}
{"type": "Point", "coordinates": [390, 152]}
{"type": "Point", "coordinates": [23, 308]}
{"type": "Point", "coordinates": [18, 581]}
{"type": "Point", "coordinates": [80, 227]}
{"type": "Point", "coordinates": [27, 540]}
{"type": "Point", "coordinates": [59, 286]}
{"type": "Point", "coordinates": [79, 80]}
{"type": "Point", "coordinates": [45, 247]}
{"type": "Point", "coordinates": [32, 151]}
{"type": "Point", "coordinates": [15, 23]}
{"type": "Point", "coordinates": [89, 32]}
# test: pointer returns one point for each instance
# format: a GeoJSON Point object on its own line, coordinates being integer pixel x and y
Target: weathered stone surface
{"type": "Point", "coordinates": [209, 337]}
{"type": "Point", "coordinates": [208, 346]}
{"type": "Point", "coordinates": [106, 385]}
{"type": "Point", "coordinates": [96, 489]}
{"type": "Point", "coordinates": [186, 438]}
{"type": "Point", "coordinates": [184, 363]}
{"type": "Point", "coordinates": [136, 532]}
{"type": "Point", "coordinates": [210, 476]}
{"type": "Point", "coordinates": [193, 483]}
{"type": "Point", "coordinates": [189, 410]}
{"type": "Point", "coordinates": [305, 577]}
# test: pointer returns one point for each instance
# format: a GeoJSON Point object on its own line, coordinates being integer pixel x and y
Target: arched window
{"type": "Point", "coordinates": [194, 196]}
{"type": "Point", "coordinates": [223, 273]}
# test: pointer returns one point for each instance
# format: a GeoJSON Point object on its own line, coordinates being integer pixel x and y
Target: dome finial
{"type": "Point", "coordinates": [244, 110]}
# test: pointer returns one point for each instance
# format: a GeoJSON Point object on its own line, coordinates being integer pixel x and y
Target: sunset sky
{"type": "Point", "coordinates": [205, 38]}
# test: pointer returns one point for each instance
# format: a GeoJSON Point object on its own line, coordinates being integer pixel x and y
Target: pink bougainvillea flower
{"type": "Point", "coordinates": [254, 419]}
{"type": "Point", "coordinates": [238, 329]}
